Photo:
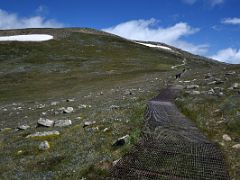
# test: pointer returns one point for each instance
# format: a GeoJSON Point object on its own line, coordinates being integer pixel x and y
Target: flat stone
{"type": "Point", "coordinates": [88, 123]}
{"type": "Point", "coordinates": [44, 134]}
{"type": "Point", "coordinates": [23, 127]}
{"type": "Point", "coordinates": [115, 162]}
{"type": "Point", "coordinates": [54, 103]}
{"type": "Point", "coordinates": [45, 122]}
{"type": "Point", "coordinates": [236, 146]}
{"type": "Point", "coordinates": [68, 110]}
{"type": "Point", "coordinates": [193, 92]}
{"type": "Point", "coordinates": [44, 146]}
{"type": "Point", "coordinates": [226, 137]}
{"type": "Point", "coordinates": [70, 100]}
{"type": "Point", "coordinates": [62, 123]}
{"type": "Point", "coordinates": [230, 73]}
{"type": "Point", "coordinates": [235, 85]}
{"type": "Point", "coordinates": [121, 141]}
{"type": "Point", "coordinates": [192, 86]}
{"type": "Point", "coordinates": [112, 107]}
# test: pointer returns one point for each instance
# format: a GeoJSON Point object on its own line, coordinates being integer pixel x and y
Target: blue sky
{"type": "Point", "coordinates": [206, 27]}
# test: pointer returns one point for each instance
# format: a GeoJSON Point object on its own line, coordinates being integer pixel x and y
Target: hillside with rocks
{"type": "Point", "coordinates": [72, 107]}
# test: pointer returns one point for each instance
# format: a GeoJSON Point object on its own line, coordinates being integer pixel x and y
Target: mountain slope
{"type": "Point", "coordinates": [105, 79]}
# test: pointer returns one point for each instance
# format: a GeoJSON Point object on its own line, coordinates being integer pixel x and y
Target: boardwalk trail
{"type": "Point", "coordinates": [171, 147]}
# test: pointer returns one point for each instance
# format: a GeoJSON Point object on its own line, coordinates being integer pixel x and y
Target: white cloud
{"type": "Point", "coordinates": [233, 21]}
{"type": "Point", "coordinates": [211, 2]}
{"type": "Point", "coordinates": [146, 30]}
{"type": "Point", "coordinates": [228, 55]}
{"type": "Point", "coordinates": [216, 2]}
{"type": "Point", "coordinates": [13, 21]}
{"type": "Point", "coordinates": [189, 1]}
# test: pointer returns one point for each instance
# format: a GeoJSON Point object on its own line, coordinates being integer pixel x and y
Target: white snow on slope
{"type": "Point", "coordinates": [155, 46]}
{"type": "Point", "coordinates": [30, 37]}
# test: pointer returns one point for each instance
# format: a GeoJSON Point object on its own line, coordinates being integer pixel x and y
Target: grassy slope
{"type": "Point", "coordinates": [78, 64]}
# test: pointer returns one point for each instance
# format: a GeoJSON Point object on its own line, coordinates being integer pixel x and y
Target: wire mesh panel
{"type": "Point", "coordinates": [171, 147]}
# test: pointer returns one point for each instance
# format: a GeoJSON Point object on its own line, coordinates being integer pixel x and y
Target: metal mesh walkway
{"type": "Point", "coordinates": [171, 147]}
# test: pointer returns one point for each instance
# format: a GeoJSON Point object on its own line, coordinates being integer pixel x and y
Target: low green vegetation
{"type": "Point", "coordinates": [106, 80]}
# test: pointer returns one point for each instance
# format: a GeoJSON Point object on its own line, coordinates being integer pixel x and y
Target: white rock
{"type": "Point", "coordinates": [192, 86]}
{"type": "Point", "coordinates": [121, 141]}
{"type": "Point", "coordinates": [68, 110]}
{"type": "Point", "coordinates": [70, 100]}
{"type": "Point", "coordinates": [235, 85]}
{"type": "Point", "coordinates": [23, 127]}
{"type": "Point", "coordinates": [54, 103]}
{"type": "Point", "coordinates": [44, 145]}
{"type": "Point", "coordinates": [88, 123]}
{"type": "Point", "coordinates": [45, 122]}
{"type": "Point", "coordinates": [226, 137]}
{"type": "Point", "coordinates": [106, 129]}
{"type": "Point", "coordinates": [114, 107]}
{"type": "Point", "coordinates": [62, 123]}
{"type": "Point", "coordinates": [43, 134]}
{"type": "Point", "coordinates": [115, 162]}
{"type": "Point", "coordinates": [236, 146]}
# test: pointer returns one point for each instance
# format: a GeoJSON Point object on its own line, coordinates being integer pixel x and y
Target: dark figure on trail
{"type": "Point", "coordinates": [178, 75]}
{"type": "Point", "coordinates": [183, 70]}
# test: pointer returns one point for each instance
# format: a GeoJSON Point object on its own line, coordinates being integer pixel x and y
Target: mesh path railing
{"type": "Point", "coordinates": [171, 147]}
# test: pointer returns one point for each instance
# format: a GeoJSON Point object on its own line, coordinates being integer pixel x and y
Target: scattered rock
{"type": "Point", "coordinates": [115, 162]}
{"type": "Point", "coordinates": [62, 123]}
{"type": "Point", "coordinates": [220, 94]}
{"type": "Point", "coordinates": [19, 152]}
{"type": "Point", "coordinates": [178, 87]}
{"type": "Point", "coordinates": [45, 122]}
{"type": "Point", "coordinates": [54, 103]}
{"type": "Point", "coordinates": [70, 100]}
{"type": "Point", "coordinates": [235, 86]}
{"type": "Point", "coordinates": [114, 107]}
{"type": "Point", "coordinates": [68, 110]}
{"type": "Point", "coordinates": [236, 146]}
{"type": "Point", "coordinates": [208, 76]}
{"type": "Point", "coordinates": [105, 129]}
{"type": "Point", "coordinates": [23, 127]}
{"type": "Point", "coordinates": [79, 118]}
{"type": "Point", "coordinates": [230, 73]}
{"type": "Point", "coordinates": [43, 134]}
{"type": "Point", "coordinates": [193, 92]}
{"type": "Point", "coordinates": [121, 141]}
{"type": "Point", "coordinates": [84, 106]}
{"type": "Point", "coordinates": [88, 123]}
{"type": "Point", "coordinates": [213, 82]}
{"type": "Point", "coordinates": [44, 146]}
{"type": "Point", "coordinates": [192, 86]}
{"type": "Point", "coordinates": [128, 92]}
{"type": "Point", "coordinates": [226, 137]}
{"type": "Point", "coordinates": [211, 92]}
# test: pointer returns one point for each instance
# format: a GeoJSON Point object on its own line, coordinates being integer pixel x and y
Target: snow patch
{"type": "Point", "coordinates": [155, 46]}
{"type": "Point", "coordinates": [29, 37]}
